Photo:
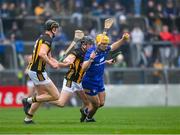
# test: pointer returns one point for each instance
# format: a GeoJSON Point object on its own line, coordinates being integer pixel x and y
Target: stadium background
{"type": "Point", "coordinates": [147, 71]}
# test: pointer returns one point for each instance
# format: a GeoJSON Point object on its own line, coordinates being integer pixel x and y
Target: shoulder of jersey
{"type": "Point", "coordinates": [45, 37]}
{"type": "Point", "coordinates": [91, 49]}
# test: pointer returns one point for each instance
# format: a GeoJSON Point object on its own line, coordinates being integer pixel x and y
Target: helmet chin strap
{"type": "Point", "coordinates": [83, 47]}
{"type": "Point", "coordinates": [53, 35]}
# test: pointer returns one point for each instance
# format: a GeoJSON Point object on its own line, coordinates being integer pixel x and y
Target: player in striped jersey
{"type": "Point", "coordinates": [46, 90]}
{"type": "Point", "coordinates": [73, 78]}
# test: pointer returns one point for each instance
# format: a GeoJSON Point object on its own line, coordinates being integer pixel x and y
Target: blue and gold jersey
{"type": "Point", "coordinates": [96, 71]}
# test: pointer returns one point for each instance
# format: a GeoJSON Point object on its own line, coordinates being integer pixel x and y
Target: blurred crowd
{"type": "Point", "coordinates": [160, 23]}
{"type": "Point", "coordinates": [149, 8]}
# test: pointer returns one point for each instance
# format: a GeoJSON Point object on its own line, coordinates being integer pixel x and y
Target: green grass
{"type": "Point", "coordinates": [137, 120]}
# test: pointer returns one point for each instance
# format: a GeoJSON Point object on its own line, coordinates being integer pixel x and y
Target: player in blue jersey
{"type": "Point", "coordinates": [93, 82]}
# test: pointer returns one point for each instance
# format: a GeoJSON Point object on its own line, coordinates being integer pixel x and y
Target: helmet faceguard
{"type": "Point", "coordinates": [87, 40]}
{"type": "Point", "coordinates": [84, 42]}
{"type": "Point", "coordinates": [50, 24]}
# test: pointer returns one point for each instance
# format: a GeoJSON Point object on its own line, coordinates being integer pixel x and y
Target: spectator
{"type": "Point", "coordinates": [146, 57]}
{"type": "Point", "coordinates": [61, 41]}
{"type": "Point", "coordinates": [39, 9]}
{"type": "Point", "coordinates": [176, 43]}
{"type": "Point", "coordinates": [170, 10]}
{"type": "Point", "coordinates": [114, 35]}
{"type": "Point", "coordinates": [166, 52]}
{"type": "Point", "coordinates": [97, 10]}
{"type": "Point", "coordinates": [176, 37]}
{"type": "Point", "coordinates": [151, 35]}
{"type": "Point", "coordinates": [4, 10]}
{"type": "Point", "coordinates": [61, 36]}
{"type": "Point", "coordinates": [14, 33]}
{"type": "Point", "coordinates": [150, 11]}
{"type": "Point", "coordinates": [93, 33]}
{"type": "Point", "coordinates": [158, 25]}
{"type": "Point", "coordinates": [48, 9]}
{"type": "Point", "coordinates": [108, 11]}
{"type": "Point", "coordinates": [119, 9]}
{"type": "Point", "coordinates": [58, 6]}
{"type": "Point", "coordinates": [77, 15]}
{"type": "Point", "coordinates": [137, 39]}
{"type": "Point", "coordinates": [39, 25]}
{"type": "Point", "coordinates": [70, 6]}
{"type": "Point", "coordinates": [119, 61]}
{"type": "Point", "coordinates": [15, 37]}
{"type": "Point", "coordinates": [137, 35]}
{"type": "Point", "coordinates": [3, 42]}
{"type": "Point", "coordinates": [76, 18]}
{"type": "Point", "coordinates": [122, 23]}
{"type": "Point", "coordinates": [12, 10]}
{"type": "Point", "coordinates": [159, 11]}
{"type": "Point", "coordinates": [165, 35]}
{"type": "Point", "coordinates": [22, 10]}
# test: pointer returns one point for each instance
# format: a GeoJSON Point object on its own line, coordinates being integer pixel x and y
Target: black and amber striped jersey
{"type": "Point", "coordinates": [76, 72]}
{"type": "Point", "coordinates": [37, 63]}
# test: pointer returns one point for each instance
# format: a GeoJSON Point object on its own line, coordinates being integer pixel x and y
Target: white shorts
{"type": "Point", "coordinates": [30, 84]}
{"type": "Point", "coordinates": [39, 78]}
{"type": "Point", "coordinates": [73, 86]}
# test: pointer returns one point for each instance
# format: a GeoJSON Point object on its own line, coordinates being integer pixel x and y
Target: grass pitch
{"type": "Point", "coordinates": [135, 120]}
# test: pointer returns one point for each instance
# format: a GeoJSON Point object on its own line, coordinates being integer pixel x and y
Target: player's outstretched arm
{"type": "Point", "coordinates": [87, 64]}
{"type": "Point", "coordinates": [64, 64]}
{"type": "Point", "coordinates": [118, 43]}
{"type": "Point", "coordinates": [110, 62]}
{"type": "Point", "coordinates": [67, 61]}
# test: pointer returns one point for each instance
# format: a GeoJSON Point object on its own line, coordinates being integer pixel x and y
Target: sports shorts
{"type": "Point", "coordinates": [93, 89]}
{"type": "Point", "coordinates": [30, 84]}
{"type": "Point", "coordinates": [71, 86]}
{"type": "Point", "coordinates": [39, 78]}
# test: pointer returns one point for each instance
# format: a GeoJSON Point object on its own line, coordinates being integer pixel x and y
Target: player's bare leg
{"type": "Point", "coordinates": [29, 115]}
{"type": "Point", "coordinates": [34, 107]}
{"type": "Point", "coordinates": [31, 91]}
{"type": "Point", "coordinates": [97, 102]}
{"type": "Point", "coordinates": [95, 105]}
{"type": "Point", "coordinates": [52, 93]}
{"type": "Point", "coordinates": [102, 96]}
{"type": "Point", "coordinates": [84, 98]}
{"type": "Point", "coordinates": [63, 99]}
{"type": "Point", "coordinates": [86, 106]}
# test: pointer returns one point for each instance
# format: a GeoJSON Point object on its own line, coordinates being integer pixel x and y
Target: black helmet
{"type": "Point", "coordinates": [49, 24]}
{"type": "Point", "coordinates": [87, 40]}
